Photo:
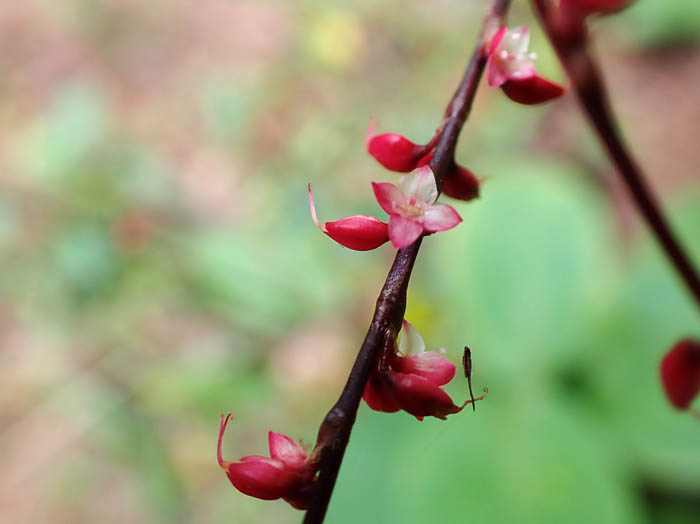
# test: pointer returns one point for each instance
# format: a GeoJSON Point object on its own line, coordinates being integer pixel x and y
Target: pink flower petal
{"type": "Point", "coordinates": [430, 365]}
{"type": "Point", "coordinates": [438, 217]}
{"type": "Point", "coordinates": [508, 58]}
{"type": "Point", "coordinates": [410, 343]}
{"type": "Point", "coordinates": [419, 185]}
{"type": "Point", "coordinates": [496, 74]}
{"type": "Point", "coordinates": [496, 40]}
{"type": "Point", "coordinates": [388, 196]}
{"type": "Point", "coordinates": [403, 231]}
{"type": "Point", "coordinates": [519, 68]}
{"type": "Point", "coordinates": [517, 40]}
{"type": "Point", "coordinates": [286, 450]}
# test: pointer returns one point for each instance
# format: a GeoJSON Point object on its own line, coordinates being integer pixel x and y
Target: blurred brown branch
{"type": "Point", "coordinates": [570, 40]}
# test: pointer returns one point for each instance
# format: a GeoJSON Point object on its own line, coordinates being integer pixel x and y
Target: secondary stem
{"type": "Point", "coordinates": [570, 43]}
{"type": "Point", "coordinates": [335, 430]}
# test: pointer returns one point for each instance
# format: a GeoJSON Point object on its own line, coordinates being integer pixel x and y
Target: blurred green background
{"type": "Point", "coordinates": [159, 265]}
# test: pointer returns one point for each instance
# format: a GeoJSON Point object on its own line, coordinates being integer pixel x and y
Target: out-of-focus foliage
{"type": "Point", "coordinates": [160, 266]}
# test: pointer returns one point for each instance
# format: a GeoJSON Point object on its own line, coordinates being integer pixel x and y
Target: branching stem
{"type": "Point", "coordinates": [570, 42]}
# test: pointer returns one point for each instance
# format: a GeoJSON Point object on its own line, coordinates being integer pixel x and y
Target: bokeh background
{"type": "Point", "coordinates": [159, 265]}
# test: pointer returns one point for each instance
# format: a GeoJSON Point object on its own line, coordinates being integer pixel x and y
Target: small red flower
{"type": "Point", "coordinates": [510, 67]}
{"type": "Point", "coordinates": [680, 373]}
{"type": "Point", "coordinates": [286, 473]}
{"type": "Point", "coordinates": [358, 232]}
{"type": "Point", "coordinates": [412, 207]}
{"type": "Point", "coordinates": [396, 152]}
{"type": "Point", "coordinates": [409, 379]}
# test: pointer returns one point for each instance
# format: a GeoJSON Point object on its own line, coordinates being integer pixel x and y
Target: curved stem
{"type": "Point", "coordinates": [334, 433]}
{"type": "Point", "coordinates": [569, 39]}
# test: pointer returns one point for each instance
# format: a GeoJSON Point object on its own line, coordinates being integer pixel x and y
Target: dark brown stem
{"type": "Point", "coordinates": [569, 38]}
{"type": "Point", "coordinates": [334, 433]}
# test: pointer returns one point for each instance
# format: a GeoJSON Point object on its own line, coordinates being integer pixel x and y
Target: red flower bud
{"type": "Point", "coordinates": [533, 90]}
{"type": "Point", "coordinates": [358, 232]}
{"type": "Point", "coordinates": [396, 152]}
{"type": "Point", "coordinates": [459, 183]}
{"type": "Point", "coordinates": [286, 473]}
{"type": "Point", "coordinates": [680, 373]}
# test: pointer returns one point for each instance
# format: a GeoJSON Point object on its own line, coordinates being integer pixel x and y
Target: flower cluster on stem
{"type": "Point", "coordinates": [409, 378]}
{"type": "Point", "coordinates": [396, 376]}
{"type": "Point", "coordinates": [288, 473]}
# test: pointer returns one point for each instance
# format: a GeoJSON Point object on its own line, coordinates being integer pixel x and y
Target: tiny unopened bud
{"type": "Point", "coordinates": [680, 373]}
{"type": "Point", "coordinates": [459, 182]}
{"type": "Point", "coordinates": [532, 90]}
{"type": "Point", "coordinates": [358, 232]}
{"type": "Point", "coordinates": [396, 152]}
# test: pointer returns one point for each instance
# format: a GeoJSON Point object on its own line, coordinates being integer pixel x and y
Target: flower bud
{"type": "Point", "coordinates": [411, 381]}
{"type": "Point", "coordinates": [459, 183]}
{"type": "Point", "coordinates": [358, 232]}
{"type": "Point", "coordinates": [533, 90]}
{"type": "Point", "coordinates": [396, 152]}
{"type": "Point", "coordinates": [286, 473]}
{"type": "Point", "coordinates": [680, 373]}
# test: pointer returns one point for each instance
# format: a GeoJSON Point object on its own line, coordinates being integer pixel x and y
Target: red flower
{"type": "Point", "coordinates": [680, 373]}
{"type": "Point", "coordinates": [510, 67]}
{"type": "Point", "coordinates": [286, 473]}
{"type": "Point", "coordinates": [412, 207]}
{"type": "Point", "coordinates": [411, 381]}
